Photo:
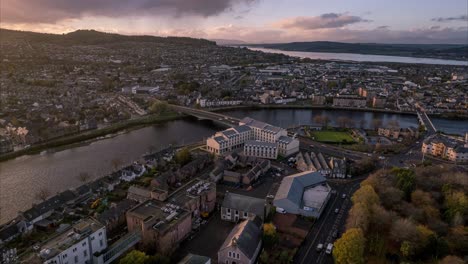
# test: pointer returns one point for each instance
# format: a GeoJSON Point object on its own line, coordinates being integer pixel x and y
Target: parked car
{"type": "Point", "coordinates": [343, 196]}
{"type": "Point", "coordinates": [270, 196]}
{"type": "Point", "coordinates": [329, 248]}
{"type": "Point", "coordinates": [337, 210]}
{"type": "Point", "coordinates": [319, 247]}
{"type": "Point", "coordinates": [335, 234]}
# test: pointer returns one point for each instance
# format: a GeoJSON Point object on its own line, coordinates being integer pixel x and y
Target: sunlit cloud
{"type": "Point", "coordinates": [329, 20]}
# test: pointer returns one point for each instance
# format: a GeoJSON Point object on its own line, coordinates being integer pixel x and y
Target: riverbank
{"type": "Point", "coordinates": [94, 134]}
{"type": "Point", "coordinates": [307, 106]}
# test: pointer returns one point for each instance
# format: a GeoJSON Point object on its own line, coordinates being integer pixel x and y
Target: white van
{"type": "Point", "coordinates": [329, 248]}
{"type": "Point", "coordinates": [280, 210]}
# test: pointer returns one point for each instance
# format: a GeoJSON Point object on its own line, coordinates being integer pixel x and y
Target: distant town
{"type": "Point", "coordinates": [253, 192]}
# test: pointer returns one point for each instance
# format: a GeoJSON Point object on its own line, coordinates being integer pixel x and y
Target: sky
{"type": "Point", "coordinates": [252, 21]}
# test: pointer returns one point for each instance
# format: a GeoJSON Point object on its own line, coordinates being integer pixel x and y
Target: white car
{"type": "Point", "coordinates": [337, 210]}
{"type": "Point", "coordinates": [280, 210]}
{"type": "Point", "coordinates": [343, 196]}
{"type": "Point", "coordinates": [319, 247]}
{"type": "Point", "coordinates": [270, 196]}
{"type": "Point", "coordinates": [329, 248]}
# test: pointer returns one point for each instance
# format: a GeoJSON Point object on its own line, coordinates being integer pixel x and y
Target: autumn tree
{"type": "Point", "coordinates": [134, 257]}
{"type": "Point", "coordinates": [452, 260]}
{"type": "Point", "coordinates": [270, 236]}
{"type": "Point", "coordinates": [350, 247]}
{"type": "Point", "coordinates": [42, 194]}
{"type": "Point", "coordinates": [83, 177]}
{"type": "Point", "coordinates": [358, 217]}
{"type": "Point", "coordinates": [403, 230]}
{"type": "Point", "coordinates": [365, 195]}
{"type": "Point", "coordinates": [376, 123]}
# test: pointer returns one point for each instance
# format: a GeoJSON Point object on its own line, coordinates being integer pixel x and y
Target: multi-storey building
{"type": "Point", "coordinates": [256, 138]}
{"type": "Point", "coordinates": [444, 147]}
{"type": "Point", "coordinates": [162, 225]}
{"type": "Point", "coordinates": [76, 245]}
{"type": "Point", "coordinates": [349, 101]}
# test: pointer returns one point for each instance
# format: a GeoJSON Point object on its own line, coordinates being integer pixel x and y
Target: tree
{"type": "Point", "coordinates": [42, 194]}
{"type": "Point", "coordinates": [134, 257]}
{"type": "Point", "coordinates": [457, 206]}
{"type": "Point", "coordinates": [116, 163]}
{"type": "Point", "coordinates": [406, 249]}
{"type": "Point", "coordinates": [358, 217]}
{"type": "Point", "coordinates": [350, 247]}
{"type": "Point", "coordinates": [183, 156]}
{"type": "Point", "coordinates": [264, 257]}
{"type": "Point", "coordinates": [158, 107]}
{"type": "Point", "coordinates": [403, 229]}
{"type": "Point", "coordinates": [365, 195]}
{"type": "Point", "coordinates": [405, 181]}
{"type": "Point", "coordinates": [83, 177]}
{"type": "Point", "coordinates": [376, 123]}
{"type": "Point", "coordinates": [452, 260]}
{"type": "Point", "coordinates": [270, 236]}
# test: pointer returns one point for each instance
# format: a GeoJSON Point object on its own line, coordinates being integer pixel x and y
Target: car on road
{"type": "Point", "coordinates": [329, 248]}
{"type": "Point", "coordinates": [270, 196]}
{"type": "Point", "coordinates": [343, 195]}
{"type": "Point", "coordinates": [319, 247]}
{"type": "Point", "coordinates": [337, 210]}
{"type": "Point", "coordinates": [381, 157]}
{"type": "Point", "coordinates": [335, 234]}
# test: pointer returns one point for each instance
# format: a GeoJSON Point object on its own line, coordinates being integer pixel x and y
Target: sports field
{"type": "Point", "coordinates": [332, 136]}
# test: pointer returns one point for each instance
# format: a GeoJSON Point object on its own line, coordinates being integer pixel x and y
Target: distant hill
{"type": "Point", "coordinates": [227, 42]}
{"type": "Point", "coordinates": [444, 51]}
{"type": "Point", "coordinates": [93, 37]}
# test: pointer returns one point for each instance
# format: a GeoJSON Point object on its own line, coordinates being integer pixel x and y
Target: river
{"type": "Point", "coordinates": [21, 178]}
{"type": "Point", "coordinates": [361, 57]}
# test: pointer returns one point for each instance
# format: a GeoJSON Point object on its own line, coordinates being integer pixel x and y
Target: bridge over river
{"type": "Point", "coordinates": [224, 120]}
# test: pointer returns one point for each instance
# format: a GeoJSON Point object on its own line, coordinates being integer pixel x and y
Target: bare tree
{"type": "Point", "coordinates": [341, 121]}
{"type": "Point", "coordinates": [393, 124]}
{"type": "Point", "coordinates": [116, 163]}
{"type": "Point", "coordinates": [42, 194]}
{"type": "Point", "coordinates": [83, 177]}
{"type": "Point", "coordinates": [362, 123]}
{"type": "Point", "coordinates": [376, 123]}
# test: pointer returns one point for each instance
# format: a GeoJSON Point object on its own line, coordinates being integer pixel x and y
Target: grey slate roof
{"type": "Point", "coordinates": [260, 143]}
{"type": "Point", "coordinates": [292, 187]}
{"type": "Point", "coordinates": [244, 203]}
{"type": "Point", "coordinates": [194, 259]}
{"type": "Point", "coordinates": [285, 139]}
{"type": "Point", "coordinates": [249, 238]}
{"type": "Point", "coordinates": [242, 128]}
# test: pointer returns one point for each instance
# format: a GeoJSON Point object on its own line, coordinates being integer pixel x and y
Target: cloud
{"type": "Point", "coordinates": [449, 19]}
{"type": "Point", "coordinates": [329, 20]}
{"type": "Point", "coordinates": [51, 11]}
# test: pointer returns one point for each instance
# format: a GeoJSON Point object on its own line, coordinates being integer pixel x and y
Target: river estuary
{"type": "Point", "coordinates": [21, 178]}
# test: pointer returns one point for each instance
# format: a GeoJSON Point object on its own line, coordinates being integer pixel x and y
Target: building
{"type": "Point", "coordinates": [162, 225]}
{"type": "Point", "coordinates": [446, 148]}
{"type": "Point", "coordinates": [195, 259]}
{"type": "Point", "coordinates": [261, 149]}
{"type": "Point", "coordinates": [349, 101]}
{"type": "Point", "coordinates": [397, 133]}
{"type": "Point", "coordinates": [256, 138]}
{"type": "Point", "coordinates": [237, 207]}
{"type": "Point", "coordinates": [198, 197]}
{"type": "Point", "coordinates": [114, 217]}
{"type": "Point", "coordinates": [379, 102]}
{"type": "Point", "coordinates": [243, 244]}
{"type": "Point", "coordinates": [305, 193]}
{"type": "Point", "coordinates": [76, 245]}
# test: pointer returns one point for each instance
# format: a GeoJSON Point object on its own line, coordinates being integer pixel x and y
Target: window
{"type": "Point", "coordinates": [229, 253]}
{"type": "Point", "coordinates": [76, 259]}
{"type": "Point", "coordinates": [238, 257]}
{"type": "Point", "coordinates": [245, 214]}
{"type": "Point", "coordinates": [100, 233]}
{"type": "Point", "coordinates": [85, 253]}
{"type": "Point", "coordinates": [84, 244]}
{"type": "Point", "coordinates": [100, 242]}
{"type": "Point", "coordinates": [229, 210]}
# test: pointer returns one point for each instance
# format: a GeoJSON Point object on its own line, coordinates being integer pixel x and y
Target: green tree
{"type": "Point", "coordinates": [264, 257]}
{"type": "Point", "coordinates": [350, 247]}
{"type": "Point", "coordinates": [406, 249]}
{"type": "Point", "coordinates": [158, 107]}
{"type": "Point", "coordinates": [405, 181]}
{"type": "Point", "coordinates": [134, 257]}
{"type": "Point", "coordinates": [183, 156]}
{"type": "Point", "coordinates": [457, 206]}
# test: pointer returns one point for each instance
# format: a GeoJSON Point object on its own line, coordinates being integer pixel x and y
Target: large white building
{"type": "Point", "coordinates": [256, 138]}
{"type": "Point", "coordinates": [77, 245]}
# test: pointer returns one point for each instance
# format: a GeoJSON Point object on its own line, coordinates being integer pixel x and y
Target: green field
{"type": "Point", "coordinates": [332, 137]}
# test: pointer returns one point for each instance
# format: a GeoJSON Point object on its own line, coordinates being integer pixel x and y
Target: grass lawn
{"type": "Point", "coordinates": [332, 136]}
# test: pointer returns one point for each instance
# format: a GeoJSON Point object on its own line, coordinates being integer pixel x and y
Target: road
{"type": "Point", "coordinates": [307, 143]}
{"type": "Point", "coordinates": [329, 223]}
